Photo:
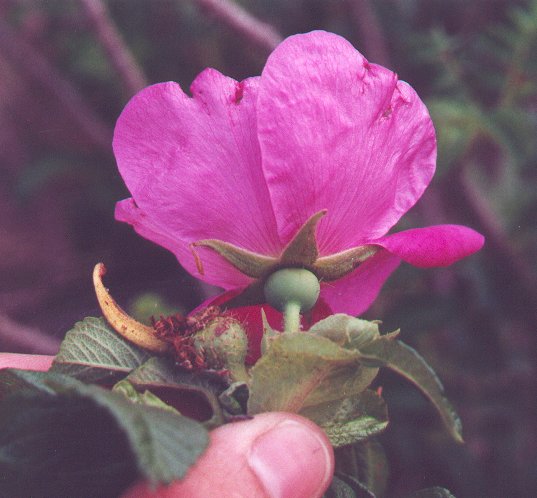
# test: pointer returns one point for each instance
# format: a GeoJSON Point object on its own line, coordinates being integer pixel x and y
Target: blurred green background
{"type": "Point", "coordinates": [67, 68]}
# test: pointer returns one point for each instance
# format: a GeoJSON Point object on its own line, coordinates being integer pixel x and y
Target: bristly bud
{"type": "Point", "coordinates": [223, 343]}
{"type": "Point", "coordinates": [207, 340]}
{"type": "Point", "coordinates": [178, 331]}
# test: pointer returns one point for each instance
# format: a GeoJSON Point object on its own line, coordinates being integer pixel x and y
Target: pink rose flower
{"type": "Point", "coordinates": [248, 163]}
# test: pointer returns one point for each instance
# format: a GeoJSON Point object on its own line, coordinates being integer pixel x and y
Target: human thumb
{"type": "Point", "coordinates": [26, 361]}
{"type": "Point", "coordinates": [273, 455]}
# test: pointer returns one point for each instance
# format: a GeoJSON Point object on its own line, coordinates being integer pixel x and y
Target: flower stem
{"type": "Point", "coordinates": [291, 317]}
{"type": "Point", "coordinates": [238, 372]}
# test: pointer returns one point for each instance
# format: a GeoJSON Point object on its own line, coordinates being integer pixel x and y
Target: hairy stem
{"type": "Point", "coordinates": [291, 317]}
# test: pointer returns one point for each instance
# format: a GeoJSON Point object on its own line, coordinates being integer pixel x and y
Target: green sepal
{"type": "Point", "coordinates": [249, 263]}
{"type": "Point", "coordinates": [302, 250]}
{"type": "Point", "coordinates": [336, 266]}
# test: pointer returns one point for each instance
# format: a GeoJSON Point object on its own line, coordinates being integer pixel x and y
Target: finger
{"type": "Point", "coordinates": [26, 361]}
{"type": "Point", "coordinates": [274, 455]}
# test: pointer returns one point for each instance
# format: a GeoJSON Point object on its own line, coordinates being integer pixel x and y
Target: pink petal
{"type": "Point", "coordinates": [339, 133]}
{"type": "Point", "coordinates": [217, 271]}
{"type": "Point", "coordinates": [194, 165]}
{"type": "Point", "coordinates": [439, 245]}
{"type": "Point", "coordinates": [354, 293]}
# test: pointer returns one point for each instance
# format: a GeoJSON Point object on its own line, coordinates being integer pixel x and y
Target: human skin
{"type": "Point", "coordinates": [26, 361]}
{"type": "Point", "coordinates": [273, 455]}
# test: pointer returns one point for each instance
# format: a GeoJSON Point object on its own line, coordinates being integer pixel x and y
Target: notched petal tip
{"type": "Point", "coordinates": [120, 321]}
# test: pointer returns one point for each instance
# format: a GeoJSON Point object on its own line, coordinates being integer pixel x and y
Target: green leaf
{"type": "Point", "coordinates": [162, 444]}
{"type": "Point", "coordinates": [12, 382]}
{"type": "Point", "coordinates": [435, 492]}
{"type": "Point", "coordinates": [345, 486]}
{"type": "Point", "coordinates": [350, 420]}
{"type": "Point", "coordinates": [94, 352]}
{"type": "Point", "coordinates": [406, 361]}
{"type": "Point", "coordinates": [301, 370]}
{"type": "Point", "coordinates": [159, 376]}
{"type": "Point", "coordinates": [366, 462]}
{"type": "Point", "coordinates": [61, 446]}
{"type": "Point", "coordinates": [373, 465]}
{"type": "Point", "coordinates": [339, 489]}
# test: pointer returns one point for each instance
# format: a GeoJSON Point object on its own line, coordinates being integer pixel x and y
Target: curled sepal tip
{"type": "Point", "coordinates": [126, 326]}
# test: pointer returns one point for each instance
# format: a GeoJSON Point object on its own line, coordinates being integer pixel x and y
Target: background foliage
{"type": "Point", "coordinates": [67, 70]}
